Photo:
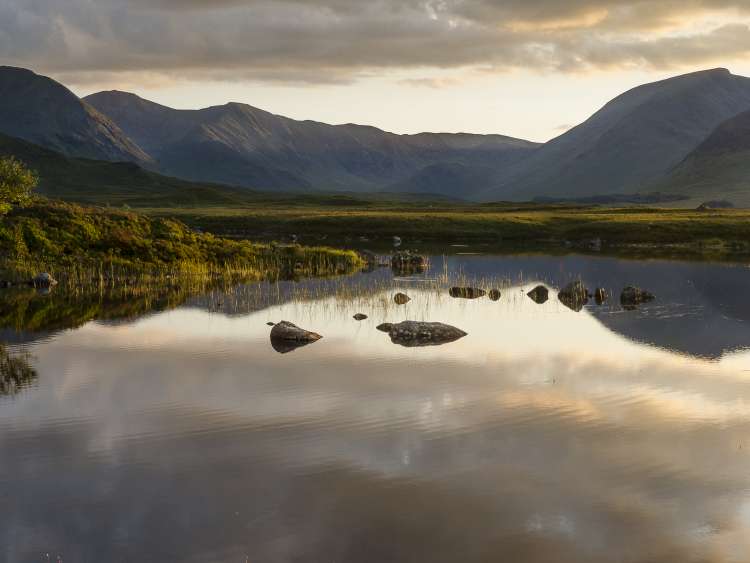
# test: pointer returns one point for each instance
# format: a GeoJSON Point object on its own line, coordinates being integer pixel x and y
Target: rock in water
{"type": "Point", "coordinates": [401, 299]}
{"type": "Point", "coordinates": [466, 292]}
{"type": "Point", "coordinates": [539, 294]}
{"type": "Point", "coordinates": [269, 323]}
{"type": "Point", "coordinates": [291, 332]}
{"type": "Point", "coordinates": [360, 317]}
{"type": "Point", "coordinates": [406, 262]}
{"type": "Point", "coordinates": [494, 294]}
{"type": "Point", "coordinates": [601, 296]}
{"type": "Point", "coordinates": [574, 295]}
{"type": "Point", "coordinates": [287, 337]}
{"type": "Point", "coordinates": [416, 333]}
{"type": "Point", "coordinates": [633, 296]}
{"type": "Point", "coordinates": [43, 280]}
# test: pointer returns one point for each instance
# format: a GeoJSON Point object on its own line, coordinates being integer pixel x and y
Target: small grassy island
{"type": "Point", "coordinates": [83, 243]}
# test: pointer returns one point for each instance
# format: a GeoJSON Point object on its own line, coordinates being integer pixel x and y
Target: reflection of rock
{"type": "Point", "coordinates": [360, 317]}
{"type": "Point", "coordinates": [633, 296]}
{"type": "Point", "coordinates": [43, 280]}
{"type": "Point", "coordinates": [601, 296]}
{"type": "Point", "coordinates": [539, 294]}
{"type": "Point", "coordinates": [406, 262]}
{"type": "Point", "coordinates": [401, 299]}
{"type": "Point", "coordinates": [466, 292]}
{"type": "Point", "coordinates": [494, 294]}
{"type": "Point", "coordinates": [415, 333]}
{"type": "Point", "coordinates": [286, 337]}
{"type": "Point", "coordinates": [574, 295]}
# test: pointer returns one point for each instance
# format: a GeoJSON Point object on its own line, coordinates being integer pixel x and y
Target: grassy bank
{"type": "Point", "coordinates": [636, 229]}
{"type": "Point", "coordinates": [82, 243]}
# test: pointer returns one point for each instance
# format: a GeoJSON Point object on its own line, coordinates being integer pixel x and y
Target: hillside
{"type": "Point", "coordinates": [101, 182]}
{"type": "Point", "coordinates": [631, 142]}
{"type": "Point", "coordinates": [240, 144]}
{"type": "Point", "coordinates": [719, 168]}
{"type": "Point", "coordinates": [42, 111]}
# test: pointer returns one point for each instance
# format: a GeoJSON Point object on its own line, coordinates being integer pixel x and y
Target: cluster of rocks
{"type": "Point", "coordinates": [408, 262]}
{"type": "Point", "coordinates": [575, 296]}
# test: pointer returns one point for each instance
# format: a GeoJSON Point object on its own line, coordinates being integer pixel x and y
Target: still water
{"type": "Point", "coordinates": [545, 435]}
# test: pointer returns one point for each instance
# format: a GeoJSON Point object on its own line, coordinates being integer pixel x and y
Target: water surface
{"type": "Point", "coordinates": [545, 435]}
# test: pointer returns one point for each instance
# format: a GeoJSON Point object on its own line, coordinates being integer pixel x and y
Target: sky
{"type": "Point", "coordinates": [524, 68]}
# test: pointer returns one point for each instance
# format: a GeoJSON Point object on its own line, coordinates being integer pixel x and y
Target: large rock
{"type": "Point", "coordinates": [406, 262]}
{"type": "Point", "coordinates": [466, 292]}
{"type": "Point", "coordinates": [291, 332]}
{"type": "Point", "coordinates": [633, 296]}
{"type": "Point", "coordinates": [574, 295]}
{"type": "Point", "coordinates": [416, 333]}
{"type": "Point", "coordinates": [287, 337]}
{"type": "Point", "coordinates": [43, 280]}
{"type": "Point", "coordinates": [539, 294]}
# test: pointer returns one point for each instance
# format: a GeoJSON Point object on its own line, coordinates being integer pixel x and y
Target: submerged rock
{"type": "Point", "coordinates": [539, 294]}
{"type": "Point", "coordinates": [494, 294]}
{"type": "Point", "coordinates": [466, 292]}
{"type": "Point", "coordinates": [406, 262]}
{"type": "Point", "coordinates": [269, 323]}
{"type": "Point", "coordinates": [416, 333]}
{"type": "Point", "coordinates": [601, 296]}
{"type": "Point", "coordinates": [574, 295]}
{"type": "Point", "coordinates": [401, 299]}
{"type": "Point", "coordinates": [360, 317]}
{"type": "Point", "coordinates": [633, 296]}
{"type": "Point", "coordinates": [43, 280]}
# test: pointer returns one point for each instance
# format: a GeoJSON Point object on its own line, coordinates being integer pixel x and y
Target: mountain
{"type": "Point", "coordinates": [719, 167]}
{"type": "Point", "coordinates": [633, 141]}
{"type": "Point", "coordinates": [97, 181]}
{"type": "Point", "coordinates": [242, 145]}
{"type": "Point", "coordinates": [42, 111]}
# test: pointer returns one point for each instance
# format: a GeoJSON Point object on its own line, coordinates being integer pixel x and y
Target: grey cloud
{"type": "Point", "coordinates": [340, 40]}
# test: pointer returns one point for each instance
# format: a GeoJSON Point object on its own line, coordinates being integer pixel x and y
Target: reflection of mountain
{"type": "Point", "coordinates": [700, 308]}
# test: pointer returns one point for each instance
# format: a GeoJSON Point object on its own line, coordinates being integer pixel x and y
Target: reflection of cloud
{"type": "Point", "coordinates": [335, 40]}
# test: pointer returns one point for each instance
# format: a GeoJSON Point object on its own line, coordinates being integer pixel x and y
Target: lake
{"type": "Point", "coordinates": [179, 433]}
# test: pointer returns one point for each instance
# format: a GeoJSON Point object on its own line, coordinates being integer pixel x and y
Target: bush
{"type": "Point", "coordinates": [16, 184]}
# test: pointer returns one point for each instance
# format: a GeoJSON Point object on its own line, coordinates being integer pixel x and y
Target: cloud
{"type": "Point", "coordinates": [324, 41]}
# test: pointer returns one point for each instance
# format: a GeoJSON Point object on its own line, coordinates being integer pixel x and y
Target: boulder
{"type": "Point", "coordinates": [494, 294]}
{"type": "Point", "coordinates": [601, 296]}
{"type": "Point", "coordinates": [539, 294]}
{"type": "Point", "coordinates": [291, 332]}
{"type": "Point", "coordinates": [574, 295]}
{"type": "Point", "coordinates": [633, 296]}
{"type": "Point", "coordinates": [406, 262]}
{"type": "Point", "coordinates": [466, 292]}
{"type": "Point", "coordinates": [43, 280]}
{"type": "Point", "coordinates": [401, 299]}
{"type": "Point", "coordinates": [360, 317]}
{"type": "Point", "coordinates": [416, 333]}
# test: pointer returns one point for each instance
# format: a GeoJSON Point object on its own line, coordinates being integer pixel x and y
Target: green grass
{"type": "Point", "coordinates": [86, 243]}
{"type": "Point", "coordinates": [514, 226]}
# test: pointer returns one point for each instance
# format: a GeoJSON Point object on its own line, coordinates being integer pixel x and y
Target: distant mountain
{"type": "Point", "coordinates": [632, 142]}
{"type": "Point", "coordinates": [96, 181]}
{"type": "Point", "coordinates": [42, 111]}
{"type": "Point", "coordinates": [240, 144]}
{"type": "Point", "coordinates": [719, 166]}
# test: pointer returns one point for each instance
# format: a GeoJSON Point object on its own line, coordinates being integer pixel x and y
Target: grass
{"type": "Point", "coordinates": [509, 226]}
{"type": "Point", "coordinates": [84, 244]}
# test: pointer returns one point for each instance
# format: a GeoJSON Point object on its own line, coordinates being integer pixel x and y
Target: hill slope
{"type": "Point", "coordinates": [42, 111]}
{"type": "Point", "coordinates": [100, 182]}
{"type": "Point", "coordinates": [257, 148]}
{"type": "Point", "coordinates": [719, 168]}
{"type": "Point", "coordinates": [632, 141]}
